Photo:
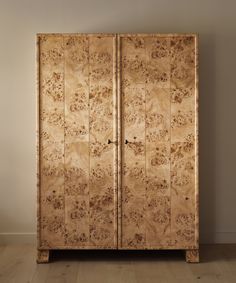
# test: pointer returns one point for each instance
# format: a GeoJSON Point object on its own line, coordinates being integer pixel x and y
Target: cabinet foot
{"type": "Point", "coordinates": [192, 256]}
{"type": "Point", "coordinates": [43, 256]}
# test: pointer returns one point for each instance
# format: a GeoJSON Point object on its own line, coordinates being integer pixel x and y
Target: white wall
{"type": "Point", "coordinates": [214, 20]}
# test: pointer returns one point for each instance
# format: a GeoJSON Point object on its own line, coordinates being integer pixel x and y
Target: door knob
{"type": "Point", "coordinates": [109, 141]}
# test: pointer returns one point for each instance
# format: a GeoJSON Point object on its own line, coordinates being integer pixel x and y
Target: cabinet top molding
{"type": "Point", "coordinates": [119, 34]}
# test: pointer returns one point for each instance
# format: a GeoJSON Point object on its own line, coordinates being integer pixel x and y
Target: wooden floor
{"type": "Point", "coordinates": [218, 264]}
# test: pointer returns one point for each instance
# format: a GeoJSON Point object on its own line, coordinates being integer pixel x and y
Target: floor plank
{"type": "Point", "coordinates": [18, 265]}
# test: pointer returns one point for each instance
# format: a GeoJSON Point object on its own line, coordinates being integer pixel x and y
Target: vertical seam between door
{"type": "Point", "coordinates": [115, 138]}
{"type": "Point", "coordinates": [119, 143]}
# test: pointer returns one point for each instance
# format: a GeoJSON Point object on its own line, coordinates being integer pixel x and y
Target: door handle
{"type": "Point", "coordinates": [109, 141]}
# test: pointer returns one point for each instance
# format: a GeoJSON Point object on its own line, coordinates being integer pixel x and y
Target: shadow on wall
{"type": "Point", "coordinates": [207, 131]}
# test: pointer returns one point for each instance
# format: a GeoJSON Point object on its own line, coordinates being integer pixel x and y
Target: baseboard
{"type": "Point", "coordinates": [17, 238]}
{"type": "Point", "coordinates": [30, 238]}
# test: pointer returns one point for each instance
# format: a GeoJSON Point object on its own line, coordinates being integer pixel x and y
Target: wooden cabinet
{"type": "Point", "coordinates": [118, 142]}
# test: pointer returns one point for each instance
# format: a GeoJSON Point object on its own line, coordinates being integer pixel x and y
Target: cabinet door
{"type": "Point", "coordinates": [159, 182]}
{"type": "Point", "coordinates": [77, 166]}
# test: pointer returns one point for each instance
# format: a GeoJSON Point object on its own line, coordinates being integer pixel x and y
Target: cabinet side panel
{"type": "Point", "coordinates": [51, 145]}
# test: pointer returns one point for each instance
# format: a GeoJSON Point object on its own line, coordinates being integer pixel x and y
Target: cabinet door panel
{"type": "Point", "coordinates": [159, 194]}
{"type": "Point", "coordinates": [77, 98]}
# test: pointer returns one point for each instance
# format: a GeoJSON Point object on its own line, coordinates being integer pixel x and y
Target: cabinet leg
{"type": "Point", "coordinates": [43, 256]}
{"type": "Point", "coordinates": [192, 256]}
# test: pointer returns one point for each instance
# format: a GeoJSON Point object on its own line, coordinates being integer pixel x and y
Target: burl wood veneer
{"type": "Point", "coordinates": [118, 142]}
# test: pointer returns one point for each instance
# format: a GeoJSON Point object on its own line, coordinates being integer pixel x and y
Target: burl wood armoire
{"type": "Point", "coordinates": [118, 142]}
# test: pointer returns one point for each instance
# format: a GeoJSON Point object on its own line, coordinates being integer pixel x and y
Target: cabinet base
{"type": "Point", "coordinates": [42, 256]}
{"type": "Point", "coordinates": [192, 256]}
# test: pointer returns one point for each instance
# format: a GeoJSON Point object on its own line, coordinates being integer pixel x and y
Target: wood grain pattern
{"type": "Point", "coordinates": [51, 141]}
{"type": "Point", "coordinates": [77, 203]}
{"type": "Point", "coordinates": [159, 169]}
{"type": "Point", "coordinates": [140, 190]}
{"type": "Point", "coordinates": [218, 264]}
